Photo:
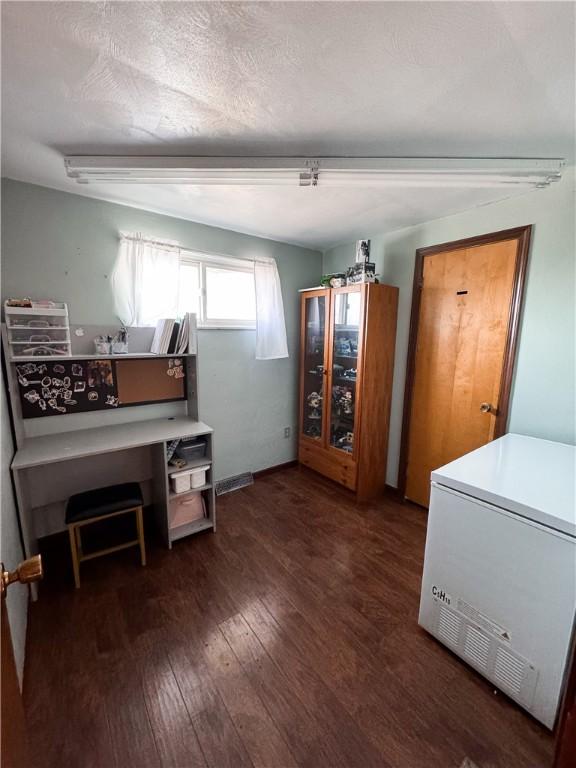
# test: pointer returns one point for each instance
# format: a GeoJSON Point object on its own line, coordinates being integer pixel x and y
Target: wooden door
{"type": "Point", "coordinates": [462, 344]}
{"type": "Point", "coordinates": [14, 745]}
{"type": "Point", "coordinates": [566, 731]}
{"type": "Point", "coordinates": [314, 365]}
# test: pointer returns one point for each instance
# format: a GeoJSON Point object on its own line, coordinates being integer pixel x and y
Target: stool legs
{"type": "Point", "coordinates": [79, 543]}
{"type": "Point", "coordinates": [140, 525]}
{"type": "Point", "coordinates": [78, 555]}
{"type": "Point", "coordinates": [74, 551]}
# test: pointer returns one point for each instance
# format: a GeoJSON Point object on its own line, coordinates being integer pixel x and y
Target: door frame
{"type": "Point", "coordinates": [565, 731]}
{"type": "Point", "coordinates": [523, 236]}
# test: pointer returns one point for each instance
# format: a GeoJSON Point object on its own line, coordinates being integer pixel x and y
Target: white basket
{"type": "Point", "coordinates": [198, 476]}
{"type": "Point", "coordinates": [180, 481]}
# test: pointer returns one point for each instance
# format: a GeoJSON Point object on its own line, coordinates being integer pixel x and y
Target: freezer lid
{"type": "Point", "coordinates": [526, 475]}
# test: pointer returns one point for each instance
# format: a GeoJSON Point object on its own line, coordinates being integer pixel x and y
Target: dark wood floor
{"type": "Point", "coordinates": [288, 638]}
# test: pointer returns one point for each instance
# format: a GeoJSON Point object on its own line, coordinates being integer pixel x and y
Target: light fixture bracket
{"type": "Point", "coordinates": [458, 172]}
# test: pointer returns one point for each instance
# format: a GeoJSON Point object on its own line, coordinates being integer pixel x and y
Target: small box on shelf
{"type": "Point", "coordinates": [190, 478]}
{"type": "Point", "coordinates": [186, 509]}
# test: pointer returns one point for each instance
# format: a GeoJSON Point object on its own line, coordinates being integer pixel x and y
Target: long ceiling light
{"type": "Point", "coordinates": [318, 171]}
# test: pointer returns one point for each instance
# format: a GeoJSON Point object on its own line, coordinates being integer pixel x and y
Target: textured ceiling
{"type": "Point", "coordinates": [383, 78]}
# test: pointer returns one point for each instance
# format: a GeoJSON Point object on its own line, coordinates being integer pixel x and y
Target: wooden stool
{"type": "Point", "coordinates": [91, 507]}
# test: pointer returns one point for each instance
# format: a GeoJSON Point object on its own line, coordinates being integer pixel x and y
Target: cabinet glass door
{"type": "Point", "coordinates": [313, 366]}
{"type": "Point", "coordinates": [346, 314]}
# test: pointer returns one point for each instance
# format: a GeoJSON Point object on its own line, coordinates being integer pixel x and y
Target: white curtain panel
{"type": "Point", "coordinates": [270, 325]}
{"type": "Point", "coordinates": [145, 280]}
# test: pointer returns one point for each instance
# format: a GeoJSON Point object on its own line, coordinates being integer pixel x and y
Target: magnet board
{"type": "Point", "coordinates": [150, 381]}
{"type": "Point", "coordinates": [55, 387]}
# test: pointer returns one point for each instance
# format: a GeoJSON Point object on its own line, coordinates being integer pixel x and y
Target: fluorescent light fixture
{"type": "Point", "coordinates": [318, 171]}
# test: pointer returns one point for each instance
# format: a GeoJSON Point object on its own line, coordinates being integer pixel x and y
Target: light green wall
{"type": "Point", "coordinates": [63, 246]}
{"type": "Point", "coordinates": [543, 394]}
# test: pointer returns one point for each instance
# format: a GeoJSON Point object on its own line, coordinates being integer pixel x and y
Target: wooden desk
{"type": "Point", "coordinates": [118, 437]}
{"type": "Point", "coordinates": [83, 443]}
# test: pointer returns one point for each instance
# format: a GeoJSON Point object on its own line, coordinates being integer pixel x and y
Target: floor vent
{"type": "Point", "coordinates": [234, 483]}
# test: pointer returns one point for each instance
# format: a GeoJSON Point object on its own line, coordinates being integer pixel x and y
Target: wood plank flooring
{"type": "Point", "coordinates": [288, 638]}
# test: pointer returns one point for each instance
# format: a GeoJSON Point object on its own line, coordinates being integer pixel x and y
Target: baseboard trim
{"type": "Point", "coordinates": [275, 468]}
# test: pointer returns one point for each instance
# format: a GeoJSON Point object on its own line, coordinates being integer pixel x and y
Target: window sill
{"type": "Point", "coordinates": [226, 327]}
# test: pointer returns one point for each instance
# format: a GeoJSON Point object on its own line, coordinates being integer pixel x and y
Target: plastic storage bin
{"type": "Point", "coordinates": [189, 450]}
{"type": "Point", "coordinates": [186, 510]}
{"type": "Point", "coordinates": [198, 476]}
{"type": "Point", "coordinates": [180, 481]}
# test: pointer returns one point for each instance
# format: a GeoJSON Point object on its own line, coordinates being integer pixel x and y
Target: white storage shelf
{"type": "Point", "coordinates": [22, 327]}
{"type": "Point", "coordinates": [25, 323]}
{"type": "Point", "coordinates": [29, 343]}
{"type": "Point", "coordinates": [96, 356]}
{"type": "Point", "coordinates": [174, 495]}
{"type": "Point", "coordinates": [201, 462]}
{"type": "Point", "coordinates": [189, 528]}
{"type": "Point", "coordinates": [175, 532]}
{"type": "Point", "coordinates": [60, 311]}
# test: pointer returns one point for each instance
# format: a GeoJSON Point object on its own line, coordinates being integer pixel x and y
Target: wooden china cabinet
{"type": "Point", "coordinates": [348, 337]}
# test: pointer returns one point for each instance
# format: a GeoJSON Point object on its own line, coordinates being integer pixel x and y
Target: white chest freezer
{"type": "Point", "coordinates": [499, 582]}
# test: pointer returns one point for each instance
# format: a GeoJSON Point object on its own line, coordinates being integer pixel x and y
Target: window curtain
{"type": "Point", "coordinates": [145, 280]}
{"type": "Point", "coordinates": [270, 325]}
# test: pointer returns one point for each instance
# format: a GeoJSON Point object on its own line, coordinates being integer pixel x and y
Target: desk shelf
{"type": "Point", "coordinates": [95, 356]}
{"type": "Point", "coordinates": [190, 528]}
{"type": "Point", "coordinates": [164, 495]}
{"type": "Point", "coordinates": [203, 462]}
{"type": "Point", "coordinates": [173, 495]}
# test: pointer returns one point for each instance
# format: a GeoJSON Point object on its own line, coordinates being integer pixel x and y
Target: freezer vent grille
{"type": "Point", "coordinates": [509, 671]}
{"type": "Point", "coordinates": [487, 653]}
{"type": "Point", "coordinates": [477, 647]}
{"type": "Point", "coordinates": [449, 626]}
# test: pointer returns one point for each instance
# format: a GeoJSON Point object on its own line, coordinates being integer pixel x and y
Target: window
{"type": "Point", "coordinates": [152, 279]}
{"type": "Point", "coordinates": [220, 291]}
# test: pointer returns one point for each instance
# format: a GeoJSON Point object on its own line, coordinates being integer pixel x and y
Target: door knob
{"type": "Point", "coordinates": [486, 408]}
{"type": "Point", "coordinates": [28, 571]}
